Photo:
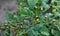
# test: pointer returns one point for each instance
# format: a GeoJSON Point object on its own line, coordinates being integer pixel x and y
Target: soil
{"type": "Point", "coordinates": [7, 5]}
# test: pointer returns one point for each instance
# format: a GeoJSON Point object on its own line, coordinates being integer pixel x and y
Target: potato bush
{"type": "Point", "coordinates": [33, 18]}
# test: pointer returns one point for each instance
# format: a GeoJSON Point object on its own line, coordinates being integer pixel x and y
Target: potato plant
{"type": "Point", "coordinates": [33, 18]}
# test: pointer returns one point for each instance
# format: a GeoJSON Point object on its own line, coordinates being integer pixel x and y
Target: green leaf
{"type": "Point", "coordinates": [32, 3]}
{"type": "Point", "coordinates": [44, 0]}
{"type": "Point", "coordinates": [57, 14]}
{"type": "Point", "coordinates": [58, 26]}
{"type": "Point", "coordinates": [27, 12]}
{"type": "Point", "coordinates": [44, 31]}
{"type": "Point", "coordinates": [55, 32]}
{"type": "Point", "coordinates": [49, 14]}
{"type": "Point", "coordinates": [11, 33]}
{"type": "Point", "coordinates": [38, 26]}
{"type": "Point", "coordinates": [46, 6]}
{"type": "Point", "coordinates": [30, 33]}
{"type": "Point", "coordinates": [35, 33]}
{"type": "Point", "coordinates": [26, 22]}
{"type": "Point", "coordinates": [53, 0]}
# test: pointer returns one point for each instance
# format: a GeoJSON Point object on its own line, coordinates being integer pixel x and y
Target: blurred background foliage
{"type": "Point", "coordinates": [33, 18]}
